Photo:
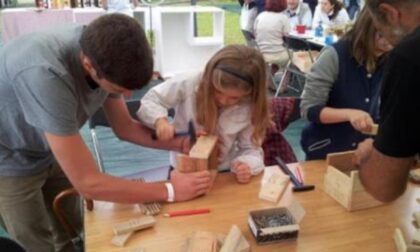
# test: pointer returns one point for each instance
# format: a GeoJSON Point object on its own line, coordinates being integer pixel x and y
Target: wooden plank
{"type": "Point", "coordinates": [232, 240]}
{"type": "Point", "coordinates": [416, 238]}
{"type": "Point", "coordinates": [202, 156]}
{"type": "Point", "coordinates": [202, 241]}
{"type": "Point", "coordinates": [134, 225]}
{"type": "Point", "coordinates": [399, 241]}
{"type": "Point", "coordinates": [417, 217]}
{"type": "Point", "coordinates": [342, 161]}
{"type": "Point", "coordinates": [338, 186]}
{"type": "Point", "coordinates": [121, 240]}
{"type": "Point", "coordinates": [274, 187]}
{"type": "Point", "coordinates": [362, 200]}
{"type": "Point", "coordinates": [203, 147]}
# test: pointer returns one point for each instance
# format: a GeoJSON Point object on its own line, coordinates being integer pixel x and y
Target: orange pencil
{"type": "Point", "coordinates": [187, 212]}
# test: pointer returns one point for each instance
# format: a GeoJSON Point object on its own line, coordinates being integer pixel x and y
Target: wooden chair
{"type": "Point", "coordinates": [75, 237]}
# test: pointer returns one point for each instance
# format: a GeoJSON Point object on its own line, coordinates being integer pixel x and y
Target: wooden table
{"type": "Point", "coordinates": [326, 226]}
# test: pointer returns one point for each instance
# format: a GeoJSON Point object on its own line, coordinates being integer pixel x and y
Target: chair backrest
{"type": "Point", "coordinates": [297, 44]}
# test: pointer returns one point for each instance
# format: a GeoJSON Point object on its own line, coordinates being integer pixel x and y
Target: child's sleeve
{"type": "Point", "coordinates": [156, 102]}
{"type": "Point", "coordinates": [249, 153]}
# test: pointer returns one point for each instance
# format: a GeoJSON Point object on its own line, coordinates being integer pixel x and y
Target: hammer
{"type": "Point", "coordinates": [190, 133]}
{"type": "Point", "coordinates": [298, 186]}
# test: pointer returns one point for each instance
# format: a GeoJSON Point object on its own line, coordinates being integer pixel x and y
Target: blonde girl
{"type": "Point", "coordinates": [228, 99]}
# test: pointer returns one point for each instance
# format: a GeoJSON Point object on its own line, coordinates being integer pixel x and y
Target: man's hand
{"type": "Point", "coordinates": [360, 120]}
{"type": "Point", "coordinates": [363, 151]}
{"type": "Point", "coordinates": [164, 130]}
{"type": "Point", "coordinates": [242, 171]}
{"type": "Point", "coordinates": [190, 185]}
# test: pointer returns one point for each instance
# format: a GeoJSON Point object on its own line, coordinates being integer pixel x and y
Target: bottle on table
{"type": "Point", "coordinates": [319, 30]}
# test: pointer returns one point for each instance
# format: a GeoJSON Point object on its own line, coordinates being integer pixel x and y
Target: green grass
{"type": "Point", "coordinates": [232, 31]}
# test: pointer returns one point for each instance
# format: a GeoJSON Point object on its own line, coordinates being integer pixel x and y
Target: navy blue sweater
{"type": "Point", "coordinates": [354, 88]}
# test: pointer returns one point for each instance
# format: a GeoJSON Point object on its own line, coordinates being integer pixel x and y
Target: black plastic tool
{"type": "Point", "coordinates": [190, 133]}
{"type": "Point", "coordinates": [298, 187]}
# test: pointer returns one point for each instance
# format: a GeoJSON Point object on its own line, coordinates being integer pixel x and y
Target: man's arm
{"type": "Point", "coordinates": [79, 166]}
{"type": "Point", "coordinates": [384, 177]}
{"type": "Point", "coordinates": [129, 129]}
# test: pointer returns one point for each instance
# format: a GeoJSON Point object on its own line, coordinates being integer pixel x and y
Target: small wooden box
{"type": "Point", "coordinates": [272, 234]}
{"type": "Point", "coordinates": [342, 183]}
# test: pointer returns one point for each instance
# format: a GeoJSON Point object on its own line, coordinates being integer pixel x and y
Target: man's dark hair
{"type": "Point", "coordinates": [117, 46]}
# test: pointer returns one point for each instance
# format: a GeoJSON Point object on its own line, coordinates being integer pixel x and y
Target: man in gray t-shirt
{"type": "Point", "coordinates": [50, 83]}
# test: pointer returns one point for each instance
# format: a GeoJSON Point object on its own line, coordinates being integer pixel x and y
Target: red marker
{"type": "Point", "coordinates": [187, 212]}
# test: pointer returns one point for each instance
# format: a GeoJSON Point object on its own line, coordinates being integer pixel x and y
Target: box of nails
{"type": "Point", "coordinates": [276, 224]}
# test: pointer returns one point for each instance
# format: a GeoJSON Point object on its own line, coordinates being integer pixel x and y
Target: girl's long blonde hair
{"type": "Point", "coordinates": [234, 67]}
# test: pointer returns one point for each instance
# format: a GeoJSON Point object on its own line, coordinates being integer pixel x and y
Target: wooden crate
{"type": "Point", "coordinates": [342, 183]}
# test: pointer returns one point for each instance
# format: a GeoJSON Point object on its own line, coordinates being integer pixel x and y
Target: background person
{"type": "Point", "coordinates": [330, 13]}
{"type": "Point", "coordinates": [299, 13]}
{"type": "Point", "coordinates": [227, 99]}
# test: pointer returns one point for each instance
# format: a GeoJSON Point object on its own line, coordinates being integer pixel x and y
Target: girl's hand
{"type": "Point", "coordinates": [164, 130]}
{"type": "Point", "coordinates": [243, 172]}
{"type": "Point", "coordinates": [360, 120]}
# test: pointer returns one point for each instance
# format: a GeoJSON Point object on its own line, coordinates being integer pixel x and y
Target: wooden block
{"type": "Point", "coordinates": [417, 217]}
{"type": "Point", "coordinates": [134, 225]}
{"type": "Point", "coordinates": [373, 131]}
{"type": "Point", "coordinates": [416, 238]}
{"type": "Point", "coordinates": [203, 147]}
{"type": "Point", "coordinates": [121, 240]}
{"type": "Point", "coordinates": [202, 241]}
{"type": "Point", "coordinates": [399, 241]}
{"type": "Point", "coordinates": [234, 241]}
{"type": "Point", "coordinates": [274, 187]}
{"type": "Point", "coordinates": [243, 243]}
{"type": "Point", "coordinates": [202, 156]}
